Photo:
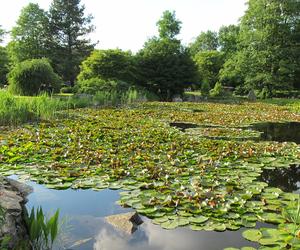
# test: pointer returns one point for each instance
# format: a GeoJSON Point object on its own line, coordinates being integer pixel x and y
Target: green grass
{"type": "Point", "coordinates": [15, 110]}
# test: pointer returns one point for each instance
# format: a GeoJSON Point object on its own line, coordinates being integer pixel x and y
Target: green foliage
{"type": "Point", "coordinates": [234, 70]}
{"type": "Point", "coordinates": [31, 77]}
{"type": "Point", "coordinates": [205, 88]}
{"type": "Point", "coordinates": [42, 231]}
{"type": "Point", "coordinates": [228, 39]}
{"type": "Point", "coordinates": [164, 65]}
{"type": "Point", "coordinates": [165, 68]}
{"type": "Point", "coordinates": [65, 90]}
{"type": "Point", "coordinates": [108, 65]}
{"type": "Point", "coordinates": [2, 33]}
{"type": "Point", "coordinates": [209, 64]}
{"type": "Point", "coordinates": [204, 42]}
{"type": "Point", "coordinates": [217, 91]}
{"type": "Point", "coordinates": [17, 110]}
{"type": "Point", "coordinates": [168, 25]}
{"type": "Point", "coordinates": [4, 66]}
{"type": "Point", "coordinates": [93, 85]}
{"type": "Point", "coordinates": [269, 38]}
{"type": "Point", "coordinates": [68, 26]}
{"type": "Point", "coordinates": [29, 34]}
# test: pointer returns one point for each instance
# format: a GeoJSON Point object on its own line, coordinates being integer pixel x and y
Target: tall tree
{"type": "Point", "coordinates": [2, 32]}
{"type": "Point", "coordinates": [270, 35]}
{"type": "Point", "coordinates": [209, 64]}
{"type": "Point", "coordinates": [228, 39]}
{"type": "Point", "coordinates": [68, 27]}
{"type": "Point", "coordinates": [29, 34]}
{"type": "Point", "coordinates": [168, 26]}
{"type": "Point", "coordinates": [164, 65]}
{"type": "Point", "coordinates": [3, 60]}
{"type": "Point", "coordinates": [204, 42]}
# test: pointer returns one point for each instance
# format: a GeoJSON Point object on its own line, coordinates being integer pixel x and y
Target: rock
{"type": "Point", "coordinates": [251, 96]}
{"type": "Point", "coordinates": [12, 203]}
{"type": "Point", "coordinates": [177, 99]}
{"type": "Point", "coordinates": [127, 222]}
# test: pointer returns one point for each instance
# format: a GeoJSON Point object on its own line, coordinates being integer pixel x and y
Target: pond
{"type": "Point", "coordinates": [281, 132]}
{"type": "Point", "coordinates": [85, 227]}
{"type": "Point", "coordinates": [287, 179]}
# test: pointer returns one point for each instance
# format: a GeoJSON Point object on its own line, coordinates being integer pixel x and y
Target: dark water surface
{"type": "Point", "coordinates": [84, 212]}
{"type": "Point", "coordinates": [287, 179]}
{"type": "Point", "coordinates": [281, 132]}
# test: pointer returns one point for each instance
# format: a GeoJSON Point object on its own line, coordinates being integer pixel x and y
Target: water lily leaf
{"type": "Point", "coordinates": [198, 219]}
{"type": "Point", "coordinates": [272, 218]}
{"type": "Point", "coordinates": [252, 235]}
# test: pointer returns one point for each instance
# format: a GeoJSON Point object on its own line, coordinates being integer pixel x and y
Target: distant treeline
{"type": "Point", "coordinates": [260, 53]}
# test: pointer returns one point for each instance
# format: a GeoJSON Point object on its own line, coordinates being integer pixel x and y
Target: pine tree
{"type": "Point", "coordinates": [68, 45]}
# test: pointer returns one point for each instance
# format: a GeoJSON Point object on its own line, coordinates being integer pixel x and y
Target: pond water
{"type": "Point", "coordinates": [84, 212]}
{"type": "Point", "coordinates": [281, 132]}
{"type": "Point", "coordinates": [287, 179]}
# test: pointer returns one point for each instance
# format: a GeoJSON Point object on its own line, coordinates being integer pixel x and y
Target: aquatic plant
{"type": "Point", "coordinates": [171, 177]}
{"type": "Point", "coordinates": [42, 231]}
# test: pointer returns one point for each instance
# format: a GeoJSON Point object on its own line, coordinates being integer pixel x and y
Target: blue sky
{"type": "Point", "coordinates": [127, 24]}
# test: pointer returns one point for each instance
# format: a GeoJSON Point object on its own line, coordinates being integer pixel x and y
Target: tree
{"type": "Point", "coordinates": [204, 42]}
{"type": "Point", "coordinates": [164, 65]}
{"type": "Point", "coordinates": [269, 35]}
{"type": "Point", "coordinates": [2, 33]}
{"type": "Point", "coordinates": [29, 34]}
{"type": "Point", "coordinates": [168, 26]}
{"type": "Point", "coordinates": [68, 27]}
{"type": "Point", "coordinates": [112, 64]}
{"type": "Point", "coordinates": [4, 65]}
{"type": "Point", "coordinates": [3, 60]}
{"type": "Point", "coordinates": [228, 39]}
{"type": "Point", "coordinates": [209, 64]}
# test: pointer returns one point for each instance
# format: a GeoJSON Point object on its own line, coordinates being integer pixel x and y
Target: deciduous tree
{"type": "Point", "coordinates": [164, 65]}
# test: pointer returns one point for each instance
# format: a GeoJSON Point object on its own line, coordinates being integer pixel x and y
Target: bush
{"type": "Point", "coordinates": [31, 77]}
{"type": "Point", "coordinates": [218, 91]}
{"type": "Point", "coordinates": [205, 88]}
{"type": "Point", "coordinates": [68, 90]}
{"type": "Point", "coordinates": [94, 85]}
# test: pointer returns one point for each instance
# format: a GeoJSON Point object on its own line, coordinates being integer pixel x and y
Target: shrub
{"type": "Point", "coordinates": [217, 91]}
{"type": "Point", "coordinates": [94, 85]}
{"type": "Point", "coordinates": [31, 77]}
{"type": "Point", "coordinates": [205, 88]}
{"type": "Point", "coordinates": [67, 90]}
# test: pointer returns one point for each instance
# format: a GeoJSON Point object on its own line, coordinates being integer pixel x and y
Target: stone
{"type": "Point", "coordinates": [127, 222]}
{"type": "Point", "coordinates": [177, 99]}
{"type": "Point", "coordinates": [12, 203]}
{"type": "Point", "coordinates": [251, 95]}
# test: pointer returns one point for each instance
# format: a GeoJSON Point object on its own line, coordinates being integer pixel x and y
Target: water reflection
{"type": "Point", "coordinates": [287, 179]}
{"type": "Point", "coordinates": [87, 229]}
{"type": "Point", "coordinates": [281, 132]}
{"type": "Point", "coordinates": [152, 237]}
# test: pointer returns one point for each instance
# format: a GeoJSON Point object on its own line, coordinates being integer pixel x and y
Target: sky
{"type": "Point", "coordinates": [127, 24]}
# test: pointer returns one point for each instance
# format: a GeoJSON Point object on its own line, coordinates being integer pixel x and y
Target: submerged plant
{"type": "Point", "coordinates": [42, 231]}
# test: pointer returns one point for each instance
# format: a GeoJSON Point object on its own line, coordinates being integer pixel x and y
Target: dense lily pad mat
{"type": "Point", "coordinates": [175, 178]}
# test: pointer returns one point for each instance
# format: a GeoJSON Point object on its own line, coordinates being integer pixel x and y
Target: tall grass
{"type": "Point", "coordinates": [15, 110]}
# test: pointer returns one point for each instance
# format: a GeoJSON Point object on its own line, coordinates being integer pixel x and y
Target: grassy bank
{"type": "Point", "coordinates": [16, 110]}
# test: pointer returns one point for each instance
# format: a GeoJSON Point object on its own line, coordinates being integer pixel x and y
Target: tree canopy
{"type": "Point", "coordinates": [29, 34]}
{"type": "Point", "coordinates": [164, 65]}
{"type": "Point", "coordinates": [205, 41]}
